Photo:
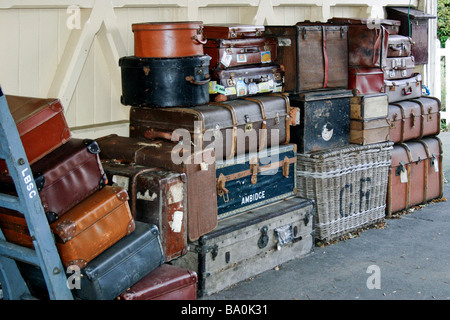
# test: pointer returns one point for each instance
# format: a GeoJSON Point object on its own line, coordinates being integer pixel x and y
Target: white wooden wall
{"type": "Point", "coordinates": [46, 52]}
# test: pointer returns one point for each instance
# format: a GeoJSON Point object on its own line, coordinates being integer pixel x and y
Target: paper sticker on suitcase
{"type": "Point", "coordinates": [157, 197]}
{"type": "Point", "coordinates": [41, 125]}
{"type": "Point", "coordinates": [255, 179]}
{"type": "Point", "coordinates": [248, 244]}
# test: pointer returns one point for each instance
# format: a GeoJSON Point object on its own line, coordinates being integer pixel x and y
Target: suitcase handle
{"type": "Point", "coordinates": [407, 92]}
{"type": "Point", "coordinates": [200, 38]}
{"type": "Point", "coordinates": [192, 80]}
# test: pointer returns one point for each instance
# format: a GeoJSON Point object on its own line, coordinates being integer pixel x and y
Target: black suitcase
{"type": "Point", "coordinates": [165, 82]}
{"type": "Point", "coordinates": [324, 120]}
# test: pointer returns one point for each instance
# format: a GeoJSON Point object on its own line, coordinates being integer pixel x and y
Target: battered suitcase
{"type": "Point", "coordinates": [369, 131]}
{"type": "Point", "coordinates": [264, 119]}
{"type": "Point", "coordinates": [315, 56]}
{"type": "Point", "coordinates": [364, 80]}
{"type": "Point", "coordinates": [157, 197]}
{"type": "Point", "coordinates": [402, 89]}
{"type": "Point", "coordinates": [232, 31]}
{"type": "Point", "coordinates": [399, 68]}
{"type": "Point", "coordinates": [367, 42]}
{"type": "Point", "coordinates": [416, 174]}
{"type": "Point", "coordinates": [248, 244]}
{"type": "Point", "coordinates": [324, 120]}
{"type": "Point", "coordinates": [228, 53]}
{"type": "Point", "coordinates": [414, 119]}
{"type": "Point", "coordinates": [92, 226]}
{"type": "Point", "coordinates": [369, 106]}
{"type": "Point", "coordinates": [198, 165]}
{"type": "Point", "coordinates": [414, 24]}
{"type": "Point", "coordinates": [122, 265]}
{"type": "Point", "coordinates": [399, 46]}
{"type": "Point", "coordinates": [168, 39]}
{"type": "Point", "coordinates": [66, 176]}
{"type": "Point", "coordinates": [255, 179]}
{"type": "Point", "coordinates": [165, 82]}
{"type": "Point", "coordinates": [41, 125]}
{"type": "Point", "coordinates": [166, 282]}
{"type": "Point", "coordinates": [232, 83]}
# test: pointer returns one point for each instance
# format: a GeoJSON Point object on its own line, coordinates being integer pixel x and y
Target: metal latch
{"type": "Point", "coordinates": [205, 249]}
{"type": "Point", "coordinates": [264, 238]}
{"type": "Point", "coordinates": [401, 168]}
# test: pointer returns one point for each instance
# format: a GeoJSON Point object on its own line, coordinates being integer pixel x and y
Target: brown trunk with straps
{"type": "Point", "coordinates": [416, 174]}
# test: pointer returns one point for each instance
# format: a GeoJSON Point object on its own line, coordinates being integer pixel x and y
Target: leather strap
{"type": "Point", "coordinates": [235, 124]}
{"type": "Point", "coordinates": [288, 114]}
{"type": "Point", "coordinates": [325, 56]}
{"type": "Point", "coordinates": [263, 137]}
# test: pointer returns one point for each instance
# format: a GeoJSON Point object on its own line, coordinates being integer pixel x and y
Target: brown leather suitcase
{"type": "Point", "coordinates": [315, 55]}
{"type": "Point", "coordinates": [399, 68]}
{"type": "Point", "coordinates": [228, 53]}
{"type": "Point", "coordinates": [198, 164]}
{"type": "Point", "coordinates": [168, 39]}
{"type": "Point", "coordinates": [414, 119]}
{"type": "Point", "coordinates": [157, 197]}
{"type": "Point", "coordinates": [399, 46]}
{"type": "Point", "coordinates": [414, 24]}
{"type": "Point", "coordinates": [229, 122]}
{"type": "Point", "coordinates": [41, 125]}
{"type": "Point", "coordinates": [369, 131]}
{"type": "Point", "coordinates": [367, 42]}
{"type": "Point", "coordinates": [403, 89]}
{"type": "Point", "coordinates": [14, 228]}
{"type": "Point", "coordinates": [364, 80]}
{"type": "Point", "coordinates": [92, 226]}
{"type": "Point", "coordinates": [65, 177]}
{"type": "Point", "coordinates": [245, 81]}
{"type": "Point", "coordinates": [167, 282]}
{"type": "Point", "coordinates": [232, 31]}
{"type": "Point", "coordinates": [416, 174]}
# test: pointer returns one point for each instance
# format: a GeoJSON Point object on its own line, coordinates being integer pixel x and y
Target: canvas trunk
{"type": "Point", "coordinates": [248, 244]}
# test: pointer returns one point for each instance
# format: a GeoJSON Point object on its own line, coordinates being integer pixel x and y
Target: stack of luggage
{"type": "Point", "coordinates": [246, 145]}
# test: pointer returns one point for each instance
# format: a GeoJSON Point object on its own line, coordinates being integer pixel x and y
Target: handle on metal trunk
{"type": "Point", "coordinates": [192, 80]}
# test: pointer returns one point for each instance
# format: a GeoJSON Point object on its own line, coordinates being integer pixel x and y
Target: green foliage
{"type": "Point", "coordinates": [443, 21]}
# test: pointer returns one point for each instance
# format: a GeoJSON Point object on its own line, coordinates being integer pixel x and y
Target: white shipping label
{"type": "Point", "coordinates": [121, 181]}
{"type": "Point", "coordinates": [403, 176]}
{"type": "Point", "coordinates": [436, 165]}
{"type": "Point", "coordinates": [177, 221]}
{"type": "Point", "coordinates": [176, 193]}
{"type": "Point", "coordinates": [226, 59]}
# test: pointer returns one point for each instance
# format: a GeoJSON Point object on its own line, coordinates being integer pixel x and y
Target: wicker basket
{"type": "Point", "coordinates": [348, 184]}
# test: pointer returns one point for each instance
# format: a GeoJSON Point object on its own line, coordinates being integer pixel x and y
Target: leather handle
{"type": "Point", "coordinates": [192, 80]}
{"type": "Point", "coordinates": [200, 38]}
{"type": "Point", "coordinates": [407, 92]}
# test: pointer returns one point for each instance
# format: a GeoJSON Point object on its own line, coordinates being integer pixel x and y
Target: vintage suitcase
{"type": "Point", "coordinates": [196, 163]}
{"type": "Point", "coordinates": [248, 244]}
{"type": "Point", "coordinates": [255, 179]}
{"type": "Point", "coordinates": [324, 120]}
{"type": "Point", "coordinates": [166, 282]}
{"type": "Point", "coordinates": [264, 119]}
{"type": "Point", "coordinates": [165, 82]}
{"type": "Point", "coordinates": [14, 228]}
{"type": "Point", "coordinates": [414, 118]}
{"type": "Point", "coordinates": [402, 89]}
{"type": "Point", "coordinates": [364, 80]}
{"type": "Point", "coordinates": [416, 174]}
{"type": "Point", "coordinates": [369, 131]}
{"type": "Point", "coordinates": [233, 83]}
{"type": "Point", "coordinates": [414, 24]}
{"type": "Point", "coordinates": [122, 265]}
{"type": "Point", "coordinates": [399, 46]}
{"type": "Point", "coordinates": [92, 226]}
{"type": "Point", "coordinates": [399, 68]}
{"type": "Point", "coordinates": [65, 177]}
{"type": "Point", "coordinates": [232, 31]}
{"type": "Point", "coordinates": [158, 197]}
{"type": "Point", "coordinates": [168, 39]}
{"type": "Point", "coordinates": [315, 56]}
{"type": "Point", "coordinates": [369, 106]}
{"type": "Point", "coordinates": [228, 53]}
{"type": "Point", "coordinates": [367, 42]}
{"type": "Point", "coordinates": [41, 125]}
{"type": "Point", "coordinates": [348, 185]}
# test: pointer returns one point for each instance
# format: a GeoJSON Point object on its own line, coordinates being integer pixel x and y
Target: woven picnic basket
{"type": "Point", "coordinates": [348, 184]}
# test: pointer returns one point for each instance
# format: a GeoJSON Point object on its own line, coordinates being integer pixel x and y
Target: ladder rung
{"type": "Point", "coordinates": [10, 202]}
{"type": "Point", "coordinates": [17, 252]}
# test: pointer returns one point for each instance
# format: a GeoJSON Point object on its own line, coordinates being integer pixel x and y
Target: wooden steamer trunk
{"type": "Point", "coordinates": [158, 197]}
{"type": "Point", "coordinates": [250, 243]}
{"type": "Point", "coordinates": [324, 119]}
{"type": "Point", "coordinates": [348, 185]}
{"type": "Point", "coordinates": [416, 175]}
